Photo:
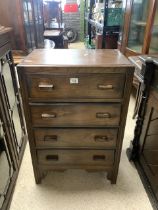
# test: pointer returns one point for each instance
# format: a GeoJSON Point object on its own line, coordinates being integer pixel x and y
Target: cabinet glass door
{"type": "Point", "coordinates": [29, 24]}
{"type": "Point", "coordinates": [6, 167]}
{"type": "Point", "coordinates": [26, 24]}
{"type": "Point", "coordinates": [140, 9]}
{"type": "Point", "coordinates": [12, 100]}
{"type": "Point", "coordinates": [39, 24]}
{"type": "Point", "coordinates": [154, 36]}
{"type": "Point", "coordinates": [123, 6]}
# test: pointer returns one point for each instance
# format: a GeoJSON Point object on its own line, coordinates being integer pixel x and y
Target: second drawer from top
{"type": "Point", "coordinates": [75, 114]}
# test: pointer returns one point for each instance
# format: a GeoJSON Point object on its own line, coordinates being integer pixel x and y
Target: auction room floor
{"type": "Point", "coordinates": [77, 189]}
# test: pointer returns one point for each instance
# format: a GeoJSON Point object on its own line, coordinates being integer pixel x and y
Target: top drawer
{"type": "Point", "coordinates": [76, 86]}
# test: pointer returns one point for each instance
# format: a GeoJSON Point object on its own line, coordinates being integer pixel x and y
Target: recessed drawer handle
{"type": "Point", "coordinates": [48, 116]}
{"type": "Point", "coordinates": [99, 157]}
{"type": "Point", "coordinates": [46, 86]}
{"type": "Point", "coordinates": [103, 115]}
{"type": "Point", "coordinates": [51, 138]}
{"type": "Point", "coordinates": [101, 138]}
{"type": "Point", "coordinates": [52, 157]}
{"type": "Point", "coordinates": [105, 87]}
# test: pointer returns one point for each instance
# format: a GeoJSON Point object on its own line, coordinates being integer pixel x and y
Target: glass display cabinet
{"type": "Point", "coordinates": [13, 133]}
{"type": "Point", "coordinates": [29, 24]}
{"type": "Point", "coordinates": [138, 23]}
{"type": "Point", "coordinates": [139, 28]}
{"type": "Point", "coordinates": [7, 167]}
{"type": "Point", "coordinates": [121, 24]}
{"type": "Point", "coordinates": [26, 19]}
{"type": "Point", "coordinates": [154, 34]}
{"type": "Point", "coordinates": [12, 100]}
{"type": "Point", "coordinates": [39, 22]}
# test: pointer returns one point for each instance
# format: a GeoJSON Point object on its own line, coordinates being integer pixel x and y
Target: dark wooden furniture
{"type": "Point", "coordinates": [139, 29]}
{"type": "Point", "coordinates": [148, 141]}
{"type": "Point", "coordinates": [55, 36]}
{"type": "Point", "coordinates": [61, 41]}
{"type": "Point", "coordinates": [144, 145]}
{"type": "Point", "coordinates": [26, 19]}
{"type": "Point", "coordinates": [75, 104]}
{"type": "Point", "coordinates": [12, 125]}
{"type": "Point", "coordinates": [138, 79]}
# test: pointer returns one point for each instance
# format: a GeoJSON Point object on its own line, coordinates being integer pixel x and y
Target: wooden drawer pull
{"type": "Point", "coordinates": [103, 115]}
{"type": "Point", "coordinates": [101, 139]}
{"type": "Point", "coordinates": [99, 157]}
{"type": "Point", "coordinates": [48, 116]}
{"type": "Point", "coordinates": [46, 86]}
{"type": "Point", "coordinates": [51, 138]}
{"type": "Point", "coordinates": [52, 157]}
{"type": "Point", "coordinates": [105, 87]}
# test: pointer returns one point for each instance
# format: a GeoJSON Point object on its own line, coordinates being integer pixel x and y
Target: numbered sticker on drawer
{"type": "Point", "coordinates": [74, 81]}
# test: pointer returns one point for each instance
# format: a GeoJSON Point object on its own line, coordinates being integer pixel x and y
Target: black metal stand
{"type": "Point", "coordinates": [148, 74]}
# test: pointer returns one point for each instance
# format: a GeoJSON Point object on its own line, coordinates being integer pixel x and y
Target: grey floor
{"type": "Point", "coordinates": [77, 189]}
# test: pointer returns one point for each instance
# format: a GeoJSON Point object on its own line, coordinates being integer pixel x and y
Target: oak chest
{"type": "Point", "coordinates": [75, 104]}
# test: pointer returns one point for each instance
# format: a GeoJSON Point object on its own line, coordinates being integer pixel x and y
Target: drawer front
{"type": "Point", "coordinates": [71, 157]}
{"type": "Point", "coordinates": [87, 86]}
{"type": "Point", "coordinates": [76, 115]}
{"type": "Point", "coordinates": [73, 137]}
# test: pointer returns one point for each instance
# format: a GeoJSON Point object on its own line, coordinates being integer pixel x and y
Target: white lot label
{"type": "Point", "coordinates": [73, 80]}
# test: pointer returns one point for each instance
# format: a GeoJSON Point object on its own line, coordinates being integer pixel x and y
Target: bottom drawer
{"type": "Point", "coordinates": [73, 157]}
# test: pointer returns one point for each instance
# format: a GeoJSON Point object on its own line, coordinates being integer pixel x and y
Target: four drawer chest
{"type": "Point", "coordinates": [75, 104]}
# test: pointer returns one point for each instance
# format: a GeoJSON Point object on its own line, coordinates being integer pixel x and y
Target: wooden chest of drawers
{"type": "Point", "coordinates": [75, 104]}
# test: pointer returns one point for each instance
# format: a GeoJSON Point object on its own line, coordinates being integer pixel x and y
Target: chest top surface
{"type": "Point", "coordinates": [76, 58]}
